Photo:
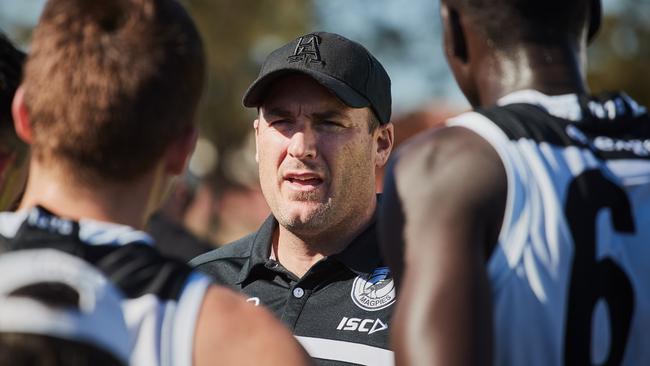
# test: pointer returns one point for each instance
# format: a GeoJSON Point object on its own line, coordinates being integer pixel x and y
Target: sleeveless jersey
{"type": "Point", "coordinates": [162, 296]}
{"type": "Point", "coordinates": [570, 274]}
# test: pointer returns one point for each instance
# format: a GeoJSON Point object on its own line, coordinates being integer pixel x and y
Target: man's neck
{"type": "Point", "coordinates": [552, 71]}
{"type": "Point", "coordinates": [121, 203]}
{"type": "Point", "coordinates": [298, 253]}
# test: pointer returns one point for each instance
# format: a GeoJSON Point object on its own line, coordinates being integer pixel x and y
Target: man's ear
{"type": "Point", "coordinates": [180, 150]}
{"type": "Point", "coordinates": [455, 40]}
{"type": "Point", "coordinates": [22, 122]}
{"type": "Point", "coordinates": [457, 50]}
{"type": "Point", "coordinates": [256, 125]}
{"type": "Point", "coordinates": [385, 137]}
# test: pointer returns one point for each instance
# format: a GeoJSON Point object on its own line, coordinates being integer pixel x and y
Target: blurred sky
{"type": "Point", "coordinates": [403, 34]}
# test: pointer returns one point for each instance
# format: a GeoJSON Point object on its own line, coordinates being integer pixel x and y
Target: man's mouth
{"type": "Point", "coordinates": [303, 181]}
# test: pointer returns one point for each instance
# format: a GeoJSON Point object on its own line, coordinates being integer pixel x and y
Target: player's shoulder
{"type": "Point", "coordinates": [223, 332]}
{"type": "Point", "coordinates": [442, 147]}
{"type": "Point", "coordinates": [451, 165]}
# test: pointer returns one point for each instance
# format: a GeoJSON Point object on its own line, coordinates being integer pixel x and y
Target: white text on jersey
{"type": "Point", "coordinates": [362, 325]}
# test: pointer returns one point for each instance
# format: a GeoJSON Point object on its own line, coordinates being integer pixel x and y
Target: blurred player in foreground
{"type": "Point", "coordinates": [107, 104]}
{"type": "Point", "coordinates": [525, 221]}
{"type": "Point", "coordinates": [57, 310]}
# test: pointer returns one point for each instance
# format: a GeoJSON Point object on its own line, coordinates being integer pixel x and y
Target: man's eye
{"type": "Point", "coordinates": [278, 122]}
{"type": "Point", "coordinates": [331, 124]}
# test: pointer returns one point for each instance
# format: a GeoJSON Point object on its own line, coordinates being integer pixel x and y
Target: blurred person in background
{"type": "Point", "coordinates": [167, 226]}
{"type": "Point", "coordinates": [107, 106]}
{"type": "Point", "coordinates": [323, 128]}
{"type": "Point", "coordinates": [58, 310]}
{"type": "Point", "coordinates": [14, 154]}
{"type": "Point", "coordinates": [522, 226]}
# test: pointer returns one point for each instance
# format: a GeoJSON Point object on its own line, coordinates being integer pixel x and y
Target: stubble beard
{"type": "Point", "coordinates": [316, 220]}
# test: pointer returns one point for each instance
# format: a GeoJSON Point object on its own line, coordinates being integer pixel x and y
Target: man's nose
{"type": "Point", "coordinates": [303, 144]}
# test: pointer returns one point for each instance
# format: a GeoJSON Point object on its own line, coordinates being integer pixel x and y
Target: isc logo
{"type": "Point", "coordinates": [362, 325]}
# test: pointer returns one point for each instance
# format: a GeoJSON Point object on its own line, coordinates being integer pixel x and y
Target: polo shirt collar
{"type": "Point", "coordinates": [260, 249]}
{"type": "Point", "coordinates": [360, 256]}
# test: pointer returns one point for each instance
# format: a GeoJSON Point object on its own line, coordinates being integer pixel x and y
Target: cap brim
{"type": "Point", "coordinates": [256, 93]}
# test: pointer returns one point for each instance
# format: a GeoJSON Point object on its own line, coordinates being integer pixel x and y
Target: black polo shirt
{"type": "Point", "coordinates": [339, 310]}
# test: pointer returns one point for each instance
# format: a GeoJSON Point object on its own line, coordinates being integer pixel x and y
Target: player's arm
{"type": "Point", "coordinates": [451, 187]}
{"type": "Point", "coordinates": [231, 331]}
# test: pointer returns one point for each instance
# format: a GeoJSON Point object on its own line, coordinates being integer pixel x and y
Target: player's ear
{"type": "Point", "coordinates": [385, 135]}
{"type": "Point", "coordinates": [256, 125]}
{"type": "Point", "coordinates": [22, 123]}
{"type": "Point", "coordinates": [179, 151]}
{"type": "Point", "coordinates": [454, 34]}
{"type": "Point", "coordinates": [595, 19]}
{"type": "Point", "coordinates": [457, 46]}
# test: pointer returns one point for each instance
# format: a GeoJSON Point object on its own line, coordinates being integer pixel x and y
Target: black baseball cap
{"type": "Point", "coordinates": [343, 66]}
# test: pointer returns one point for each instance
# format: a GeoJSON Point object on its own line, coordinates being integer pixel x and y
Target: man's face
{"type": "Point", "coordinates": [316, 157]}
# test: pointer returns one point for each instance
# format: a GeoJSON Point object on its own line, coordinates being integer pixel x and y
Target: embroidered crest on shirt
{"type": "Point", "coordinates": [375, 291]}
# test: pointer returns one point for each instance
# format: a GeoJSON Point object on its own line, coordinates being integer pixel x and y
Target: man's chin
{"type": "Point", "coordinates": [308, 215]}
{"type": "Point", "coordinates": [306, 197]}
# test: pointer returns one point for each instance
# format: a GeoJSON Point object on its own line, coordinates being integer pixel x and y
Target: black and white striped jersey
{"type": "Point", "coordinates": [570, 275]}
{"type": "Point", "coordinates": [162, 296]}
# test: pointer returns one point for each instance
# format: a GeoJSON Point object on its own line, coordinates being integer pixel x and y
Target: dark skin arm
{"type": "Point", "coordinates": [231, 331]}
{"type": "Point", "coordinates": [449, 187]}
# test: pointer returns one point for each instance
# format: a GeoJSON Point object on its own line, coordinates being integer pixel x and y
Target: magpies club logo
{"type": "Point", "coordinates": [375, 291]}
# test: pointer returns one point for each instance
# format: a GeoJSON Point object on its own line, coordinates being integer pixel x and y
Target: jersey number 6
{"type": "Point", "coordinates": [592, 279]}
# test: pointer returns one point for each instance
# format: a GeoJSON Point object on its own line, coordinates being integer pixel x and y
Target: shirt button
{"type": "Point", "coordinates": [298, 292]}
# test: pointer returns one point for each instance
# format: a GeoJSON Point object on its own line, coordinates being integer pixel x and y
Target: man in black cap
{"type": "Point", "coordinates": [323, 129]}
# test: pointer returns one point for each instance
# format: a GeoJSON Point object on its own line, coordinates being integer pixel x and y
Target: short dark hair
{"type": "Point", "coordinates": [109, 84]}
{"type": "Point", "coordinates": [20, 349]}
{"type": "Point", "coordinates": [373, 121]}
{"type": "Point", "coordinates": [545, 22]}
